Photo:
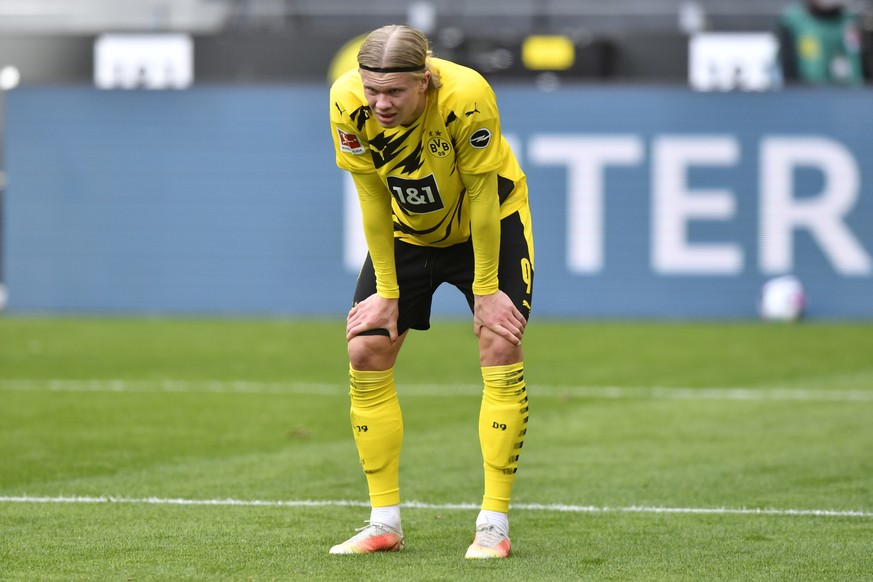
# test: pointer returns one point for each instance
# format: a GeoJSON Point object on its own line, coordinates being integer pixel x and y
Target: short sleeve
{"type": "Point", "coordinates": [347, 117]}
{"type": "Point", "coordinates": [477, 133]}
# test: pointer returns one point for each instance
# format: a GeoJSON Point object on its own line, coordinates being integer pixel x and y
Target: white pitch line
{"type": "Point", "coordinates": [441, 506]}
{"type": "Point", "coordinates": [180, 386]}
{"type": "Point", "coordinates": [436, 390]}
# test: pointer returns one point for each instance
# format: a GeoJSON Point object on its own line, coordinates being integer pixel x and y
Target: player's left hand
{"type": "Point", "coordinates": [497, 313]}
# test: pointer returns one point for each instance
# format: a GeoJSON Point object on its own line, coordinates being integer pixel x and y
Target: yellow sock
{"type": "Point", "coordinates": [377, 424]}
{"type": "Point", "coordinates": [502, 426]}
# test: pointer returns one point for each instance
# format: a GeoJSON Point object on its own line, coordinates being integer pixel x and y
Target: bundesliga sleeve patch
{"type": "Point", "coordinates": [480, 138]}
{"type": "Point", "coordinates": [349, 142]}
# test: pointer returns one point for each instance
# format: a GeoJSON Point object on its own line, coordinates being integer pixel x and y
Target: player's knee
{"type": "Point", "coordinates": [494, 350]}
{"type": "Point", "coordinates": [371, 352]}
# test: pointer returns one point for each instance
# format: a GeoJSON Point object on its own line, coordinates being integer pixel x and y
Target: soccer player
{"type": "Point", "coordinates": [443, 200]}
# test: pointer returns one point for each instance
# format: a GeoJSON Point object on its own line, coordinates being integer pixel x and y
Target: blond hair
{"type": "Point", "coordinates": [398, 47]}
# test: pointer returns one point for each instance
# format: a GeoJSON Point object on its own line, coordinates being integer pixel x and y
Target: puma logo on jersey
{"type": "Point", "coordinates": [480, 138]}
{"type": "Point", "coordinates": [475, 110]}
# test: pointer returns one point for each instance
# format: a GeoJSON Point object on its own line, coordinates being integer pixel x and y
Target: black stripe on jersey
{"type": "Point", "coordinates": [412, 162]}
{"type": "Point", "coordinates": [360, 116]}
{"type": "Point", "coordinates": [451, 118]}
{"type": "Point", "coordinates": [384, 149]}
{"type": "Point", "coordinates": [505, 186]}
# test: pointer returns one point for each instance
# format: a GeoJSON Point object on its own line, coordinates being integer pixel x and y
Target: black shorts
{"type": "Point", "coordinates": [420, 270]}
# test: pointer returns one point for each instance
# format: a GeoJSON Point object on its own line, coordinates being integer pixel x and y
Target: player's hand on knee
{"type": "Point", "coordinates": [374, 312]}
{"type": "Point", "coordinates": [497, 313]}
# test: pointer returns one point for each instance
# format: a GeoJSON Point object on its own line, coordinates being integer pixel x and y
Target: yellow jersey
{"type": "Point", "coordinates": [421, 164]}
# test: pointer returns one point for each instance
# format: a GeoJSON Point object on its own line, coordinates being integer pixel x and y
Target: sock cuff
{"type": "Point", "coordinates": [370, 377]}
{"type": "Point", "coordinates": [504, 376]}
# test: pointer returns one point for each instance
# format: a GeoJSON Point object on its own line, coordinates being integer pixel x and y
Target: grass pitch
{"type": "Point", "coordinates": [220, 450]}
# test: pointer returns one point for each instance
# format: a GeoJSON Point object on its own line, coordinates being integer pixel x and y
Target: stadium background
{"type": "Point", "coordinates": [223, 198]}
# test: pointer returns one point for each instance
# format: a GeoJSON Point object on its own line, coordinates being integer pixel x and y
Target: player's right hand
{"type": "Point", "coordinates": [374, 312]}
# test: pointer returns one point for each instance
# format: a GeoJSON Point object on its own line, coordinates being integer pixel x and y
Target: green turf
{"type": "Point", "coordinates": [630, 424]}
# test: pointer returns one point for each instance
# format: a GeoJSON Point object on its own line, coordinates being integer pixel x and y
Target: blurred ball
{"type": "Point", "coordinates": [783, 299]}
{"type": "Point", "coordinates": [9, 78]}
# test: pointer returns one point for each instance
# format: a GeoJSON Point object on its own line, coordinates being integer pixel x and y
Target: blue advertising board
{"type": "Point", "coordinates": [647, 202]}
